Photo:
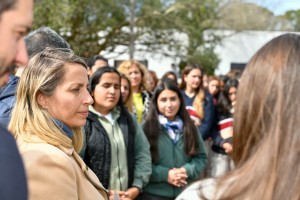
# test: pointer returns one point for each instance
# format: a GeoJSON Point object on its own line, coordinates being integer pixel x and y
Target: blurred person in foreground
{"type": "Point", "coordinates": [266, 129]}
{"type": "Point", "coordinates": [15, 21]}
{"type": "Point", "coordinates": [53, 98]}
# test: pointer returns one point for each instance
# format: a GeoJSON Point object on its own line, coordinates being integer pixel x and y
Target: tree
{"type": "Point", "coordinates": [92, 26]}
{"type": "Point", "coordinates": [240, 16]}
{"type": "Point", "coordinates": [196, 19]}
{"type": "Point", "coordinates": [88, 25]}
{"type": "Point", "coordinates": [293, 16]}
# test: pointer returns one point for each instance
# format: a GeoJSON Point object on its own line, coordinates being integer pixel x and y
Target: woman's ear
{"type": "Point", "coordinates": [42, 100]}
{"type": "Point", "coordinates": [183, 77]}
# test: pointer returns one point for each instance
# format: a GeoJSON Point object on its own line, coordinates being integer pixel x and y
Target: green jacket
{"type": "Point", "coordinates": [173, 156]}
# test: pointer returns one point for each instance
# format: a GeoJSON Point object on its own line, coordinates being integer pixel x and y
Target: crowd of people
{"type": "Point", "coordinates": [76, 129]}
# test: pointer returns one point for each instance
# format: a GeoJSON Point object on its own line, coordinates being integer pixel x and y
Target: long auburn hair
{"type": "Point", "coordinates": [200, 92]}
{"type": "Point", "coordinates": [224, 105]}
{"type": "Point", "coordinates": [152, 127]}
{"type": "Point", "coordinates": [129, 102]}
{"type": "Point", "coordinates": [266, 143]}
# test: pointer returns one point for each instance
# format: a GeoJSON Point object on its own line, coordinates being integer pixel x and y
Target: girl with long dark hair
{"type": "Point", "coordinates": [177, 150]}
{"type": "Point", "coordinates": [116, 147]}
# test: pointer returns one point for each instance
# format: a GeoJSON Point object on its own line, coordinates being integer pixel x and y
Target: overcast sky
{"type": "Point", "coordinates": [278, 7]}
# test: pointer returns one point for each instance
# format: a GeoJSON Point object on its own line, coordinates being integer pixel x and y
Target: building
{"type": "Point", "coordinates": [234, 51]}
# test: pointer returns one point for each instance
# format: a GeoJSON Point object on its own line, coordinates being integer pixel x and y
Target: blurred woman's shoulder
{"type": "Point", "coordinates": [197, 190]}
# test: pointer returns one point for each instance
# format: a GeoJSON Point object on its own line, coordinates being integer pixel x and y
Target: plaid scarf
{"type": "Point", "coordinates": [173, 128]}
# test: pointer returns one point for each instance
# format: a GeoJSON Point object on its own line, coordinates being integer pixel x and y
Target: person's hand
{"type": "Point", "coordinates": [131, 193]}
{"type": "Point", "coordinates": [182, 175]}
{"type": "Point", "coordinates": [227, 147]}
{"type": "Point", "coordinates": [197, 122]}
{"type": "Point", "coordinates": [112, 192]}
{"type": "Point", "coordinates": [177, 177]}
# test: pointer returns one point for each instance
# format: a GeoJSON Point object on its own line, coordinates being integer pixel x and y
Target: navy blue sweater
{"type": "Point", "coordinates": [206, 127]}
{"type": "Point", "coordinates": [8, 99]}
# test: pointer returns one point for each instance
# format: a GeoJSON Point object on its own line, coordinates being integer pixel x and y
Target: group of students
{"type": "Point", "coordinates": [79, 140]}
{"type": "Point", "coordinates": [134, 140]}
{"type": "Point", "coordinates": [75, 131]}
{"type": "Point", "coordinates": [157, 148]}
{"type": "Point", "coordinates": [210, 102]}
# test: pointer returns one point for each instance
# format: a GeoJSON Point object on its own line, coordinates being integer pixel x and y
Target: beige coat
{"type": "Point", "coordinates": [58, 173]}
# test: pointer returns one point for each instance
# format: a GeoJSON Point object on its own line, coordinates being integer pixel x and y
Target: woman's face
{"type": "Point", "coordinates": [70, 100]}
{"type": "Point", "coordinates": [213, 87]}
{"type": "Point", "coordinates": [135, 76]}
{"type": "Point", "coordinates": [107, 93]}
{"type": "Point", "coordinates": [168, 104]}
{"type": "Point", "coordinates": [232, 94]}
{"type": "Point", "coordinates": [205, 81]}
{"type": "Point", "coordinates": [125, 87]}
{"type": "Point", "coordinates": [151, 83]}
{"type": "Point", "coordinates": [193, 79]}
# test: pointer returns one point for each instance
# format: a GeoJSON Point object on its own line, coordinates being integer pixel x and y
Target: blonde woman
{"type": "Point", "coordinates": [51, 108]}
{"type": "Point", "coordinates": [138, 75]}
{"type": "Point", "coordinates": [198, 100]}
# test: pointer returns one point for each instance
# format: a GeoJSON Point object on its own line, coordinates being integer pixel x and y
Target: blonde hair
{"type": "Point", "coordinates": [124, 68]}
{"type": "Point", "coordinates": [200, 95]}
{"type": "Point", "coordinates": [42, 75]}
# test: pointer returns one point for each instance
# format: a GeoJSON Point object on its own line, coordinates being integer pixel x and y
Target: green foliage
{"type": "Point", "coordinates": [293, 16]}
{"type": "Point", "coordinates": [194, 18]}
{"type": "Point", "coordinates": [241, 16]}
{"type": "Point", "coordinates": [92, 26]}
{"type": "Point", "coordinates": [207, 59]}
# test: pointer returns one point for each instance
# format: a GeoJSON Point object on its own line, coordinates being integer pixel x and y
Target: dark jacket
{"type": "Point", "coordinates": [206, 127]}
{"type": "Point", "coordinates": [8, 99]}
{"type": "Point", "coordinates": [13, 185]}
{"type": "Point", "coordinates": [218, 141]}
{"type": "Point", "coordinates": [98, 151]}
{"type": "Point", "coordinates": [222, 114]}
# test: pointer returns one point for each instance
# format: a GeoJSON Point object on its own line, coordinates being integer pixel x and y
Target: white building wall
{"type": "Point", "coordinates": [240, 47]}
{"type": "Point", "coordinates": [234, 48]}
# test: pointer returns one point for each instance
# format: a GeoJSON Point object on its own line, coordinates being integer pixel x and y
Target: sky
{"type": "Point", "coordinates": [278, 7]}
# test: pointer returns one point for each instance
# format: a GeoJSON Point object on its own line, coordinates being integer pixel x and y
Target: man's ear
{"type": "Point", "coordinates": [89, 71]}
{"type": "Point", "coordinates": [42, 100]}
